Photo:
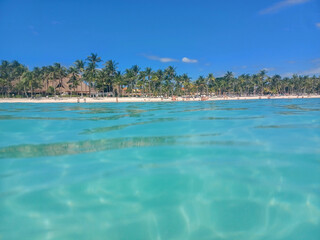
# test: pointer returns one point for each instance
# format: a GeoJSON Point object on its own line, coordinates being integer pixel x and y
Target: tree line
{"type": "Point", "coordinates": [17, 80]}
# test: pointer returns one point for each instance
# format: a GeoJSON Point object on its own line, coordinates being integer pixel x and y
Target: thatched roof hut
{"type": "Point", "coordinates": [64, 87]}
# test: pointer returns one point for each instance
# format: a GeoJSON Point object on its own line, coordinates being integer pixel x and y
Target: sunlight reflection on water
{"type": "Point", "coordinates": [207, 170]}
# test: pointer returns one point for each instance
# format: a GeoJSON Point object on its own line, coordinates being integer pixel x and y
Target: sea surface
{"type": "Point", "coordinates": [182, 170]}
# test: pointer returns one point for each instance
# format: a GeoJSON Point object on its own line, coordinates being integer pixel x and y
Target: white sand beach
{"type": "Point", "coordinates": [141, 99]}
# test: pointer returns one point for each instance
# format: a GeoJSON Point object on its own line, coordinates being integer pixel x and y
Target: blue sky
{"type": "Point", "coordinates": [197, 37]}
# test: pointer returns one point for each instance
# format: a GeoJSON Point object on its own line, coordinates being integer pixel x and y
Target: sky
{"type": "Point", "coordinates": [196, 37]}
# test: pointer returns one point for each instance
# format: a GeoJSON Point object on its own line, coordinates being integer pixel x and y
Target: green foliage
{"type": "Point", "coordinates": [18, 80]}
{"type": "Point", "coordinates": [50, 90]}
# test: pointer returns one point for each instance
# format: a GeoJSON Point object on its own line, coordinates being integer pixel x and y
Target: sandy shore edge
{"type": "Point", "coordinates": [141, 99]}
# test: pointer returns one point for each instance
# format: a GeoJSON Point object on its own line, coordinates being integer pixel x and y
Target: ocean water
{"type": "Point", "coordinates": [183, 170]}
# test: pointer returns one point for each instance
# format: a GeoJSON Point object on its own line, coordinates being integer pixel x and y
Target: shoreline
{"type": "Point", "coordinates": [141, 99]}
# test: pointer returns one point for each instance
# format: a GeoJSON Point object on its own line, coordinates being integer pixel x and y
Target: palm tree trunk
{"type": "Point", "coordinates": [55, 90]}
{"type": "Point", "coordinates": [60, 86]}
{"type": "Point", "coordinates": [25, 92]}
{"type": "Point", "coordinates": [81, 89]}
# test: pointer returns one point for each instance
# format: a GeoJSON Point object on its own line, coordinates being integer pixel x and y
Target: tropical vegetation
{"type": "Point", "coordinates": [18, 80]}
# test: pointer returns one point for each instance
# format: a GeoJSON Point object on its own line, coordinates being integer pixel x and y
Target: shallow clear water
{"type": "Point", "coordinates": [196, 170]}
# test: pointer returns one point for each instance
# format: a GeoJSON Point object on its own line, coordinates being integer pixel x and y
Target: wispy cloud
{"type": "Point", "coordinates": [33, 30]}
{"type": "Point", "coordinates": [313, 71]}
{"type": "Point", "coordinates": [318, 25]}
{"type": "Point", "coordinates": [310, 72]}
{"type": "Point", "coordinates": [315, 60]}
{"type": "Point", "coordinates": [281, 5]}
{"type": "Point", "coordinates": [287, 74]}
{"type": "Point", "coordinates": [188, 60]}
{"type": "Point", "coordinates": [161, 59]}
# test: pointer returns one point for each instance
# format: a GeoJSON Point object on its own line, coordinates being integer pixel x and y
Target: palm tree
{"type": "Point", "coordinates": [79, 65]}
{"type": "Point", "coordinates": [128, 78]}
{"type": "Point", "coordinates": [159, 77]}
{"type": "Point", "coordinates": [261, 77]}
{"type": "Point", "coordinates": [148, 73]}
{"type": "Point", "coordinates": [242, 79]}
{"type": "Point", "coordinates": [15, 73]}
{"type": "Point", "coordinates": [229, 80]}
{"type": "Point", "coordinates": [178, 84]}
{"type": "Point", "coordinates": [48, 75]}
{"type": "Point", "coordinates": [201, 84]}
{"type": "Point", "coordinates": [117, 82]}
{"type": "Point", "coordinates": [59, 73]}
{"type": "Point", "coordinates": [210, 81]}
{"type": "Point", "coordinates": [186, 83]}
{"type": "Point", "coordinates": [31, 80]}
{"type": "Point", "coordinates": [107, 75]}
{"type": "Point", "coordinates": [276, 84]}
{"type": "Point", "coordinates": [74, 80]}
{"type": "Point", "coordinates": [26, 81]}
{"type": "Point", "coordinates": [142, 82]}
{"type": "Point", "coordinates": [135, 71]}
{"type": "Point", "coordinates": [170, 73]}
{"type": "Point", "coordinates": [132, 76]}
{"type": "Point", "coordinates": [4, 76]}
{"type": "Point", "coordinates": [91, 70]}
{"type": "Point", "coordinates": [16, 78]}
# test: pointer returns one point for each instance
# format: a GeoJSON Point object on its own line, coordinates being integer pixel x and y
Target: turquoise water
{"type": "Point", "coordinates": [197, 170]}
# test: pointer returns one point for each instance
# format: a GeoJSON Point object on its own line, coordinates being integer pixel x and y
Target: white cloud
{"type": "Point", "coordinates": [281, 5]}
{"type": "Point", "coordinates": [188, 60]}
{"type": "Point", "coordinates": [269, 69]}
{"type": "Point", "coordinates": [164, 60]}
{"type": "Point", "coordinates": [318, 25]}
